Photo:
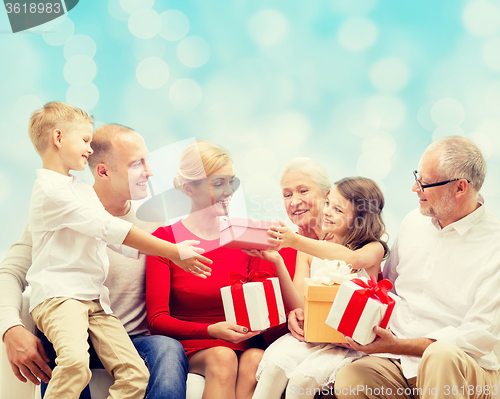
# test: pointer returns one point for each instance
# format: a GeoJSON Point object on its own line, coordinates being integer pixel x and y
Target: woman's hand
{"type": "Point", "coordinates": [282, 236]}
{"type": "Point", "coordinates": [270, 255]}
{"type": "Point", "coordinates": [230, 332]}
{"type": "Point", "coordinates": [189, 259]}
{"type": "Point", "coordinates": [296, 323]}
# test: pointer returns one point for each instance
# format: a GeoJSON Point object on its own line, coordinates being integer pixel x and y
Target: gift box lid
{"type": "Point", "coordinates": [242, 222]}
{"type": "Point", "coordinates": [319, 292]}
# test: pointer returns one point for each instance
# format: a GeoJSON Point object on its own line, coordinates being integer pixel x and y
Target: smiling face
{"type": "Point", "coordinates": [338, 214]}
{"type": "Point", "coordinates": [303, 199]}
{"type": "Point", "coordinates": [214, 194]}
{"type": "Point", "coordinates": [130, 170]}
{"type": "Point", "coordinates": [436, 202]}
{"type": "Point", "coordinates": [75, 146]}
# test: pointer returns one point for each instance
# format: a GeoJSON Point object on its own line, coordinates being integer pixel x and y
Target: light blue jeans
{"type": "Point", "coordinates": [165, 358]}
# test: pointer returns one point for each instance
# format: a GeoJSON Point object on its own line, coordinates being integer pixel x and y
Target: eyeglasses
{"type": "Point", "coordinates": [441, 183]}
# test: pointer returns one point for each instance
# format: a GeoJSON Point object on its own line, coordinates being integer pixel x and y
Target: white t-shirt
{"type": "Point", "coordinates": [70, 230]}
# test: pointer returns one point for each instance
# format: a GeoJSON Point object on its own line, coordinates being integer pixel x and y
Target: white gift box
{"type": "Point", "coordinates": [248, 302]}
{"type": "Point", "coordinates": [355, 321]}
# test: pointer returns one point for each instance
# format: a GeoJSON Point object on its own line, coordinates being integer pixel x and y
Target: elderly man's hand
{"type": "Point", "coordinates": [26, 355]}
{"type": "Point", "coordinates": [384, 343]}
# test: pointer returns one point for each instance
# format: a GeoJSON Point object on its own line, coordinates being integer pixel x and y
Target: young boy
{"type": "Point", "coordinates": [70, 230]}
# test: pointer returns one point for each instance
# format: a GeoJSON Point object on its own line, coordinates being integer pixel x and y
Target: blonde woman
{"type": "Point", "coordinates": [189, 310]}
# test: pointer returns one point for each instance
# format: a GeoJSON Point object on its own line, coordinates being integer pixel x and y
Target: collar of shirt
{"type": "Point", "coordinates": [463, 225]}
{"type": "Point", "coordinates": [54, 176]}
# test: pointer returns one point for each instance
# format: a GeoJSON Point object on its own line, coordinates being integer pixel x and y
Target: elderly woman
{"type": "Point", "coordinates": [304, 183]}
{"type": "Point", "coordinates": [190, 309]}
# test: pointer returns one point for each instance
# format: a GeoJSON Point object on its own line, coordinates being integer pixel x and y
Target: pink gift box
{"type": "Point", "coordinates": [243, 233]}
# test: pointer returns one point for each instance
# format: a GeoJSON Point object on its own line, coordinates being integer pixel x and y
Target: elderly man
{"type": "Point", "coordinates": [121, 171]}
{"type": "Point", "coordinates": [445, 266]}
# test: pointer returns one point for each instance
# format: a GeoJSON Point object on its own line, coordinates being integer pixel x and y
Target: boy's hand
{"type": "Point", "coordinates": [270, 255]}
{"type": "Point", "coordinates": [281, 235]}
{"type": "Point", "coordinates": [189, 259]}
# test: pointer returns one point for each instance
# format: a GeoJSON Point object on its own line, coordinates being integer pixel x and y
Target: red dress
{"type": "Point", "coordinates": [182, 305]}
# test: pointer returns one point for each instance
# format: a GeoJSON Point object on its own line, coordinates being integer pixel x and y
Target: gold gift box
{"type": "Point", "coordinates": [318, 299]}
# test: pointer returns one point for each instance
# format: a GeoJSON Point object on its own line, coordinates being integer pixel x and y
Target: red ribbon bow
{"type": "Point", "coordinates": [254, 276]}
{"type": "Point", "coordinates": [372, 288]}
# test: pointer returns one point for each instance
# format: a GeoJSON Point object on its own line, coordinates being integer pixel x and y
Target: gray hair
{"type": "Point", "coordinates": [309, 167]}
{"type": "Point", "coordinates": [460, 159]}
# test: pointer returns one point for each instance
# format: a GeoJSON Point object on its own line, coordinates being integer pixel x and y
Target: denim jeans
{"type": "Point", "coordinates": [164, 356]}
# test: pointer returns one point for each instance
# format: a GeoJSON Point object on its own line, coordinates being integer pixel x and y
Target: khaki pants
{"type": "Point", "coordinates": [67, 323]}
{"type": "Point", "coordinates": [445, 371]}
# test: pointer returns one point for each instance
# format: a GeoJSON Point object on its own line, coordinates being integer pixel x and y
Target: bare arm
{"type": "Point", "coordinates": [386, 342]}
{"type": "Point", "coordinates": [26, 355]}
{"type": "Point", "coordinates": [368, 257]}
{"type": "Point", "coordinates": [183, 254]}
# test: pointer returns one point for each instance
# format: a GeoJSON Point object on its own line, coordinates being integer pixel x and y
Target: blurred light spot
{"type": "Point", "coordinates": [491, 185]}
{"type": "Point", "coordinates": [490, 129]}
{"type": "Point", "coordinates": [391, 110]}
{"type": "Point", "coordinates": [261, 205]}
{"type": "Point", "coordinates": [116, 10]}
{"type": "Point", "coordinates": [79, 45]}
{"type": "Point", "coordinates": [154, 47]}
{"type": "Point", "coordinates": [389, 74]}
{"type": "Point", "coordinates": [374, 166]}
{"type": "Point", "coordinates": [445, 130]}
{"type": "Point", "coordinates": [361, 123]}
{"type": "Point", "coordinates": [23, 108]}
{"type": "Point", "coordinates": [80, 70]}
{"type": "Point", "coordinates": [5, 192]}
{"type": "Point", "coordinates": [268, 27]}
{"type": "Point", "coordinates": [424, 117]}
{"type": "Point", "coordinates": [60, 33]}
{"type": "Point", "coordinates": [354, 6]}
{"type": "Point", "coordinates": [379, 143]}
{"type": "Point", "coordinates": [481, 18]}
{"type": "Point", "coordinates": [144, 23]}
{"type": "Point", "coordinates": [357, 33]}
{"type": "Point", "coordinates": [152, 73]}
{"type": "Point", "coordinates": [84, 97]}
{"type": "Point", "coordinates": [447, 111]}
{"type": "Point", "coordinates": [482, 141]}
{"type": "Point", "coordinates": [290, 130]}
{"type": "Point", "coordinates": [185, 94]}
{"type": "Point", "coordinates": [133, 5]}
{"type": "Point", "coordinates": [193, 51]}
{"type": "Point", "coordinates": [260, 161]}
{"type": "Point", "coordinates": [49, 25]}
{"type": "Point", "coordinates": [174, 25]}
{"type": "Point", "coordinates": [488, 102]}
{"type": "Point", "coordinates": [491, 54]}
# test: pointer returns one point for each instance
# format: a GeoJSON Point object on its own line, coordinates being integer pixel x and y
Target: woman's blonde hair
{"type": "Point", "coordinates": [53, 115]}
{"type": "Point", "coordinates": [367, 202]}
{"type": "Point", "coordinates": [198, 160]}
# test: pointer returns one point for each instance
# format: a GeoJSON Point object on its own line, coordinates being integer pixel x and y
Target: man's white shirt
{"type": "Point", "coordinates": [449, 283]}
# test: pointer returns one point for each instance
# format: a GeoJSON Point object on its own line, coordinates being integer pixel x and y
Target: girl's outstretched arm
{"type": "Point", "coordinates": [368, 257]}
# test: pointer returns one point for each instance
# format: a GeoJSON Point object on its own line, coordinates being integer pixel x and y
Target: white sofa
{"type": "Point", "coordinates": [12, 388]}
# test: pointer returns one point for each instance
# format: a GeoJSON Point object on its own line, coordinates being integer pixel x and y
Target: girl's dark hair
{"type": "Point", "coordinates": [367, 202]}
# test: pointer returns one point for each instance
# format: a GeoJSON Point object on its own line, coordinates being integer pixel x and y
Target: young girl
{"type": "Point", "coordinates": [354, 228]}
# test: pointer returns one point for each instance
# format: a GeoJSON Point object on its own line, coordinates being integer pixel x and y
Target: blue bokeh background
{"type": "Point", "coordinates": [363, 86]}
